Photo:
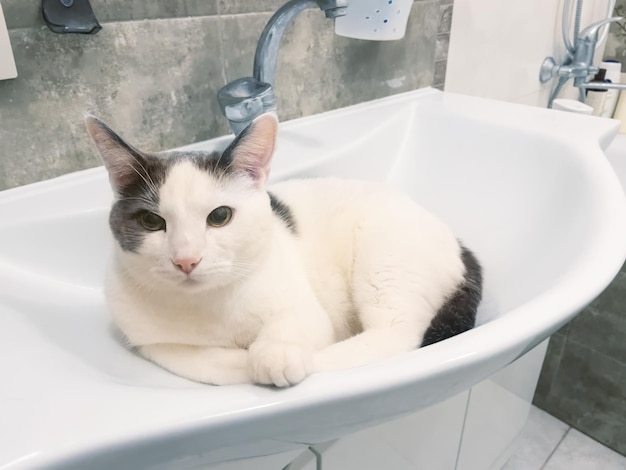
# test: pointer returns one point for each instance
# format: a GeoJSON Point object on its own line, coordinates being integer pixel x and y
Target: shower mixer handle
{"type": "Point", "coordinates": [591, 31]}
{"type": "Point", "coordinates": [577, 66]}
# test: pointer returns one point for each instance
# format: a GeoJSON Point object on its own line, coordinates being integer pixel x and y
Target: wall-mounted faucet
{"type": "Point", "coordinates": [246, 98]}
{"type": "Point", "coordinates": [579, 62]}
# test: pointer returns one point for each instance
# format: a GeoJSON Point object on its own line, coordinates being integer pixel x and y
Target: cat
{"type": "Point", "coordinates": [221, 280]}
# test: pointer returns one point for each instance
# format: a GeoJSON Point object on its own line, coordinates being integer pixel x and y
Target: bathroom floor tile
{"type": "Point", "coordinates": [540, 437]}
{"type": "Point", "coordinates": [579, 452]}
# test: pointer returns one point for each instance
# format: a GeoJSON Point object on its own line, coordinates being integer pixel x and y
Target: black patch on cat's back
{"type": "Point", "coordinates": [283, 211]}
{"type": "Point", "coordinates": [458, 313]}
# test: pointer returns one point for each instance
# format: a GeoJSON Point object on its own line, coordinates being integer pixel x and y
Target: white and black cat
{"type": "Point", "coordinates": [221, 280]}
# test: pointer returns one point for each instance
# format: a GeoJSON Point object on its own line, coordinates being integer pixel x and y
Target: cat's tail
{"type": "Point", "coordinates": [458, 313]}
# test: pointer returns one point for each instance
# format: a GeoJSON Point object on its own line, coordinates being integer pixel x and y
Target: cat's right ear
{"type": "Point", "coordinates": [124, 163]}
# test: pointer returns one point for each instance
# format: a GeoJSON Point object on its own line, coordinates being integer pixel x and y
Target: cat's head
{"type": "Point", "coordinates": [194, 220]}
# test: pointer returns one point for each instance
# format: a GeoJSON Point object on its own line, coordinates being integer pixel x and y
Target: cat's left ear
{"type": "Point", "coordinates": [251, 152]}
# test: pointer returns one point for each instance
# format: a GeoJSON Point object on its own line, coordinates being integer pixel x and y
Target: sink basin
{"type": "Point", "coordinates": [528, 190]}
{"type": "Point", "coordinates": [616, 153]}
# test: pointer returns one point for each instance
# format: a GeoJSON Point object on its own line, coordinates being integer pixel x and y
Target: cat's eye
{"type": "Point", "coordinates": [219, 216]}
{"type": "Point", "coordinates": [150, 221]}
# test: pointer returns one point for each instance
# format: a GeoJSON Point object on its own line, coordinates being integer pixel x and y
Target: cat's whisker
{"type": "Point", "coordinates": [151, 182]}
{"type": "Point", "coordinates": [243, 269]}
{"type": "Point", "coordinates": [146, 179]}
{"type": "Point", "coordinates": [151, 287]}
{"type": "Point", "coordinates": [242, 265]}
{"type": "Point", "coordinates": [147, 201]}
{"type": "Point", "coordinates": [219, 160]}
{"type": "Point", "coordinates": [145, 176]}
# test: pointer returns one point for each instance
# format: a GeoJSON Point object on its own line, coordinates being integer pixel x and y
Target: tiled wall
{"type": "Point", "coordinates": [583, 381]}
{"type": "Point", "coordinates": [497, 47]}
{"type": "Point", "coordinates": [155, 81]}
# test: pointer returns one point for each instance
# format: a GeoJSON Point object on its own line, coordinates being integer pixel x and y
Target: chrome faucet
{"type": "Point", "coordinates": [578, 64]}
{"type": "Point", "coordinates": [244, 99]}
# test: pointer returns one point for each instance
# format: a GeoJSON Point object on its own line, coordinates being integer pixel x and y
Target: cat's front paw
{"type": "Point", "coordinates": [279, 363]}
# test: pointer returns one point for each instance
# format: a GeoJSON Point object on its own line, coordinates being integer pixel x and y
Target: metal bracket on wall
{"type": "Point", "coordinates": [70, 16]}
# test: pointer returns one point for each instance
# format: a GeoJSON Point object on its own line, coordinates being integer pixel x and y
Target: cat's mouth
{"type": "Point", "coordinates": [198, 280]}
{"type": "Point", "coordinates": [190, 281]}
{"type": "Point", "coordinates": [210, 276]}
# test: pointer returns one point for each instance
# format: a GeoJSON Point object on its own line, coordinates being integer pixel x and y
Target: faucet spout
{"type": "Point", "coordinates": [244, 99]}
{"type": "Point", "coordinates": [266, 55]}
{"type": "Point", "coordinates": [333, 8]}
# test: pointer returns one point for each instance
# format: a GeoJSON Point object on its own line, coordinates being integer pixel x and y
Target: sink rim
{"type": "Point", "coordinates": [438, 359]}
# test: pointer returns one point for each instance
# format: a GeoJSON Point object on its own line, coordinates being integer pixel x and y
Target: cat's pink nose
{"type": "Point", "coordinates": [186, 265]}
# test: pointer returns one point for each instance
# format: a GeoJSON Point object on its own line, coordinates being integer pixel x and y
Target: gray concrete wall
{"type": "Point", "coordinates": [153, 71]}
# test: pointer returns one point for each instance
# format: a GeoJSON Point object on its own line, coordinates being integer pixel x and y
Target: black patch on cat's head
{"type": "Point", "coordinates": [142, 193]}
{"type": "Point", "coordinates": [284, 212]}
{"type": "Point", "coordinates": [215, 163]}
{"type": "Point", "coordinates": [136, 177]}
{"type": "Point", "coordinates": [138, 195]}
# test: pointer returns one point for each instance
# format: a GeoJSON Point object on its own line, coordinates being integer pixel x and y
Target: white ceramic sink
{"type": "Point", "coordinates": [529, 190]}
{"type": "Point", "coordinates": [616, 153]}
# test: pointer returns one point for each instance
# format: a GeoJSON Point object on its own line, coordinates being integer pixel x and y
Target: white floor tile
{"type": "Point", "coordinates": [579, 452]}
{"type": "Point", "coordinates": [540, 437]}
